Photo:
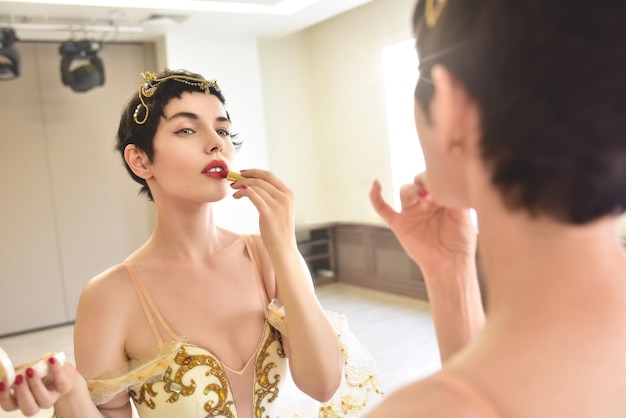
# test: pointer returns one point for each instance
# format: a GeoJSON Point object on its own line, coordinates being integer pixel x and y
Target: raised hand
{"type": "Point", "coordinates": [432, 235]}
{"type": "Point", "coordinates": [32, 393]}
{"type": "Point", "coordinates": [275, 203]}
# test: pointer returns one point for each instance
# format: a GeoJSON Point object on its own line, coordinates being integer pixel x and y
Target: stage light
{"type": "Point", "coordinates": [10, 69]}
{"type": "Point", "coordinates": [81, 69]}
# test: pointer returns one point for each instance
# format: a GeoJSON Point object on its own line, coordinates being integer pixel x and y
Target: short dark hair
{"type": "Point", "coordinates": [550, 80]}
{"type": "Point", "coordinates": [142, 135]}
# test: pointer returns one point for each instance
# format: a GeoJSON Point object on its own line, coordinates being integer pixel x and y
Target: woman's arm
{"type": "Point", "coordinates": [442, 242]}
{"type": "Point", "coordinates": [312, 345]}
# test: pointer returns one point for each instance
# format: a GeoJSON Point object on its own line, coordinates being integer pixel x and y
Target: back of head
{"type": "Point", "coordinates": [549, 79]}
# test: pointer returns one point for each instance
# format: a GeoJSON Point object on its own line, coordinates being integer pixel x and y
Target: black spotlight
{"type": "Point", "coordinates": [8, 69]}
{"type": "Point", "coordinates": [81, 69]}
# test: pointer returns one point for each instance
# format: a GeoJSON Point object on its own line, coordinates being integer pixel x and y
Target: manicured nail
{"type": "Point", "coordinates": [422, 193]}
{"type": "Point", "coordinates": [243, 186]}
{"type": "Point", "coordinates": [3, 386]}
{"type": "Point", "coordinates": [30, 372]}
{"type": "Point", "coordinates": [19, 379]}
{"type": "Point", "coordinates": [52, 360]}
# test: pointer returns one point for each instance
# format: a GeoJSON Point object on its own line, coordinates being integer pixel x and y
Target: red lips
{"type": "Point", "coordinates": [216, 169]}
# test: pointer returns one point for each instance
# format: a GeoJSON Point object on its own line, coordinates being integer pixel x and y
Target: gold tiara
{"type": "Point", "coordinates": [433, 11]}
{"type": "Point", "coordinates": [152, 80]}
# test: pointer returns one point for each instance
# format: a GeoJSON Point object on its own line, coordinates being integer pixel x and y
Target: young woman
{"type": "Point", "coordinates": [520, 110]}
{"type": "Point", "coordinates": [184, 326]}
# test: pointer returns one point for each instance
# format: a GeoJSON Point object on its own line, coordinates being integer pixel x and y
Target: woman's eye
{"type": "Point", "coordinates": [185, 131]}
{"type": "Point", "coordinates": [223, 132]}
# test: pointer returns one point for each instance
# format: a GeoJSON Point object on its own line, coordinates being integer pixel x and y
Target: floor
{"type": "Point", "coordinates": [397, 330]}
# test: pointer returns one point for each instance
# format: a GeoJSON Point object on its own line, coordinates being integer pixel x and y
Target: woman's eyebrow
{"type": "Point", "coordinates": [188, 115]}
{"type": "Point", "coordinates": [191, 115]}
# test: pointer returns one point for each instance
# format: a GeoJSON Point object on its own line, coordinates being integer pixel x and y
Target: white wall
{"type": "Point", "coordinates": [294, 150]}
{"type": "Point", "coordinates": [310, 107]}
{"type": "Point", "coordinates": [69, 210]}
{"type": "Point", "coordinates": [325, 86]}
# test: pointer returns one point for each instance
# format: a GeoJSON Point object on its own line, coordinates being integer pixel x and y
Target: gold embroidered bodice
{"type": "Point", "coordinates": [184, 380]}
{"type": "Point", "coordinates": [195, 383]}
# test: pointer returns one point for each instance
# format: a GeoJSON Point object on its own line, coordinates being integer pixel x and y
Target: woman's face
{"type": "Point", "coordinates": [191, 144]}
{"type": "Point", "coordinates": [435, 162]}
{"type": "Point", "coordinates": [442, 135]}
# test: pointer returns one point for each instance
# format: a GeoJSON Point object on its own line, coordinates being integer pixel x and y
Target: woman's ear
{"type": "Point", "coordinates": [454, 113]}
{"type": "Point", "coordinates": [138, 161]}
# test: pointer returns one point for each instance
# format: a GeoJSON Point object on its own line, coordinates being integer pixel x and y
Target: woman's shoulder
{"type": "Point", "coordinates": [113, 285]}
{"type": "Point", "coordinates": [433, 396]}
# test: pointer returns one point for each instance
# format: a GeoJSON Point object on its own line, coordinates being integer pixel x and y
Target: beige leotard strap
{"type": "Point", "coordinates": [148, 306]}
{"type": "Point", "coordinates": [468, 393]}
{"type": "Point", "coordinates": [254, 256]}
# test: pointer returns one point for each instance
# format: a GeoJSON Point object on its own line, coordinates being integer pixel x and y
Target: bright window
{"type": "Point", "coordinates": [400, 71]}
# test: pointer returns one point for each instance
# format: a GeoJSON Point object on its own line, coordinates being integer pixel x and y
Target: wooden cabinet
{"type": "Point", "coordinates": [364, 255]}
{"type": "Point", "coordinates": [317, 245]}
{"type": "Point", "coordinates": [371, 256]}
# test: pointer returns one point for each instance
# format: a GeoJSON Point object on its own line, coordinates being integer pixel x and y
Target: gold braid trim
{"type": "Point", "coordinates": [267, 386]}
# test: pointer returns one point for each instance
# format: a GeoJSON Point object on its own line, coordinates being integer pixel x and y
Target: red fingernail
{"type": "Point", "coordinates": [3, 386]}
{"type": "Point", "coordinates": [19, 379]}
{"type": "Point", "coordinates": [30, 372]}
{"type": "Point", "coordinates": [243, 186]}
{"type": "Point", "coordinates": [52, 360]}
{"type": "Point", "coordinates": [422, 193]}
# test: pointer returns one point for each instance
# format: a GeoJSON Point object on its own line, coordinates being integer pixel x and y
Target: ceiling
{"type": "Point", "coordinates": [141, 20]}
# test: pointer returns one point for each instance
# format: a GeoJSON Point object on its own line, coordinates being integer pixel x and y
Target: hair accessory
{"type": "Point", "coordinates": [433, 11]}
{"type": "Point", "coordinates": [152, 80]}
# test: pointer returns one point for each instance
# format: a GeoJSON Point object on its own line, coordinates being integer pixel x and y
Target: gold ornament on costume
{"type": "Point", "coordinates": [152, 80]}
{"type": "Point", "coordinates": [433, 11]}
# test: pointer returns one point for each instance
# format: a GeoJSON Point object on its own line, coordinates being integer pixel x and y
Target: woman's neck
{"type": "Point", "coordinates": [187, 231]}
{"type": "Point", "coordinates": [527, 260]}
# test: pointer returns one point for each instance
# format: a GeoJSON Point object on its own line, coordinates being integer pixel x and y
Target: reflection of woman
{"type": "Point", "coordinates": [184, 327]}
{"type": "Point", "coordinates": [520, 112]}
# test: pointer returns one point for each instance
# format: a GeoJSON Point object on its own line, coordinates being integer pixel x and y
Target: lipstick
{"type": "Point", "coordinates": [232, 175]}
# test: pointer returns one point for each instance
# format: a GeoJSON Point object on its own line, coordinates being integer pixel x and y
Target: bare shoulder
{"type": "Point", "coordinates": [100, 330]}
{"type": "Point", "coordinates": [108, 289]}
{"type": "Point", "coordinates": [426, 398]}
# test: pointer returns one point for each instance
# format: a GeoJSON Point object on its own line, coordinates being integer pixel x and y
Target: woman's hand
{"type": "Point", "coordinates": [432, 235]}
{"type": "Point", "coordinates": [442, 242]}
{"type": "Point", "coordinates": [31, 393]}
{"type": "Point", "coordinates": [275, 203]}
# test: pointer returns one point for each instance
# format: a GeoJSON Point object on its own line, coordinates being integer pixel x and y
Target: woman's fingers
{"type": "Point", "coordinates": [63, 376]}
{"type": "Point", "coordinates": [42, 395]}
{"type": "Point", "coordinates": [381, 207]}
{"type": "Point", "coordinates": [265, 190]}
{"type": "Point", "coordinates": [266, 179]}
{"type": "Point", "coordinates": [24, 397]}
{"type": "Point", "coordinates": [31, 393]}
{"type": "Point", "coordinates": [7, 401]}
